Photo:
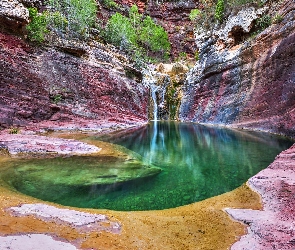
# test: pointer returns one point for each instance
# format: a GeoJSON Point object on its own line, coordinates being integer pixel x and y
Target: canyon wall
{"type": "Point", "coordinates": [65, 81]}
{"type": "Point", "coordinates": [250, 84]}
{"type": "Point", "coordinates": [240, 80]}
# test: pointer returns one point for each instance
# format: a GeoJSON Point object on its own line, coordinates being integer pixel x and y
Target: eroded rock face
{"type": "Point", "coordinates": [49, 84]}
{"type": "Point", "coordinates": [242, 22]}
{"type": "Point", "coordinates": [250, 85]}
{"type": "Point", "coordinates": [13, 14]}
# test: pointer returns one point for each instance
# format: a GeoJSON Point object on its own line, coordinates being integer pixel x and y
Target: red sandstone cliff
{"type": "Point", "coordinates": [46, 84]}
{"type": "Point", "coordinates": [249, 85]}
{"type": "Point", "coordinates": [66, 82]}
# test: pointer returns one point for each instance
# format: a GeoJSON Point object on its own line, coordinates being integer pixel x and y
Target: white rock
{"type": "Point", "coordinates": [33, 242]}
{"type": "Point", "coordinates": [14, 10]}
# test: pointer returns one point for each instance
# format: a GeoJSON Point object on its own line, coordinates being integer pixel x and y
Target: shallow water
{"type": "Point", "coordinates": [197, 162]}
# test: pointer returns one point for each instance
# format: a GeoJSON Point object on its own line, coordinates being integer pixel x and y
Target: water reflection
{"type": "Point", "coordinates": [197, 162]}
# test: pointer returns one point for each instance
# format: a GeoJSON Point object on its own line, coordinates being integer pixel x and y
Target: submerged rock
{"type": "Point", "coordinates": [81, 171]}
{"type": "Point", "coordinates": [56, 176]}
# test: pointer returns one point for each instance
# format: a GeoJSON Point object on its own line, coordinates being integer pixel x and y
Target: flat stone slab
{"type": "Point", "coordinates": [32, 242]}
{"type": "Point", "coordinates": [77, 219]}
{"type": "Point", "coordinates": [17, 144]}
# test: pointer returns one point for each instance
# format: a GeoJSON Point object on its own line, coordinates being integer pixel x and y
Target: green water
{"type": "Point", "coordinates": [197, 162]}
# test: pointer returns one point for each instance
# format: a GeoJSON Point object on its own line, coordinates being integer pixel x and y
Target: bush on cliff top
{"type": "Point", "coordinates": [68, 18]}
{"type": "Point", "coordinates": [37, 28]}
{"type": "Point", "coordinates": [80, 15]}
{"type": "Point", "coordinates": [137, 34]}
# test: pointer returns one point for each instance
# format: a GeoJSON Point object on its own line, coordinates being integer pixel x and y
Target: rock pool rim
{"type": "Point", "coordinates": [192, 137]}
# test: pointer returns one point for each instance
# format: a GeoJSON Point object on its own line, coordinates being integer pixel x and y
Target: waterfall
{"type": "Point", "coordinates": [149, 81]}
{"type": "Point", "coordinates": [165, 84]}
{"type": "Point", "coordinates": [154, 89]}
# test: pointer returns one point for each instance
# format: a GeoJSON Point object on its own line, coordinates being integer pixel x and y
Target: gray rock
{"type": "Point", "coordinates": [243, 22]}
{"type": "Point", "coordinates": [14, 13]}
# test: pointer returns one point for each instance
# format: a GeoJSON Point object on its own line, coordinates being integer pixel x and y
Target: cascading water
{"type": "Point", "coordinates": [149, 81]}
{"type": "Point", "coordinates": [165, 83]}
{"type": "Point", "coordinates": [157, 83]}
{"type": "Point", "coordinates": [153, 89]}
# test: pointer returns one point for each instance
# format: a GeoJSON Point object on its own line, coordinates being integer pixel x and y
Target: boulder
{"type": "Point", "coordinates": [13, 14]}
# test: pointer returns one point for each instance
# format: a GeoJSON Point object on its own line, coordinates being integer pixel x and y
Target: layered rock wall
{"type": "Point", "coordinates": [250, 85]}
{"type": "Point", "coordinates": [39, 84]}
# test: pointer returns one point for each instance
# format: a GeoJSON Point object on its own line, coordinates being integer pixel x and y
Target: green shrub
{"type": "Point", "coordinates": [194, 14]}
{"type": "Point", "coordinates": [182, 56]}
{"type": "Point", "coordinates": [58, 21]}
{"type": "Point", "coordinates": [219, 11]}
{"type": "Point", "coordinates": [110, 4]}
{"type": "Point", "coordinates": [263, 22]}
{"type": "Point", "coordinates": [56, 98]}
{"type": "Point", "coordinates": [14, 130]}
{"type": "Point", "coordinates": [80, 15]}
{"type": "Point", "coordinates": [136, 34]}
{"type": "Point", "coordinates": [72, 18]}
{"type": "Point", "coordinates": [197, 55]}
{"type": "Point", "coordinates": [37, 28]}
{"type": "Point", "coordinates": [153, 36]}
{"type": "Point", "coordinates": [120, 32]}
{"type": "Point", "coordinates": [277, 18]}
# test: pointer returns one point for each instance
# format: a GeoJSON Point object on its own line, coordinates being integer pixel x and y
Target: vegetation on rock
{"type": "Point", "coordinates": [219, 12]}
{"type": "Point", "coordinates": [37, 28]}
{"type": "Point", "coordinates": [67, 18]}
{"type": "Point", "coordinates": [110, 4]}
{"type": "Point", "coordinates": [263, 22]}
{"type": "Point", "coordinates": [14, 130]}
{"type": "Point", "coordinates": [137, 34]}
{"type": "Point", "coordinates": [277, 18]}
{"type": "Point", "coordinates": [197, 55]}
{"type": "Point", "coordinates": [194, 14]}
{"type": "Point", "coordinates": [75, 17]}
